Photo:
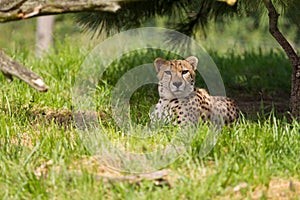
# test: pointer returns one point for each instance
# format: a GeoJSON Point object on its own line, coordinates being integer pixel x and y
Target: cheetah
{"type": "Point", "coordinates": [181, 102]}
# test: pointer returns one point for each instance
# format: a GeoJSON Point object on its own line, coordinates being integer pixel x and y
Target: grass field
{"type": "Point", "coordinates": [42, 155]}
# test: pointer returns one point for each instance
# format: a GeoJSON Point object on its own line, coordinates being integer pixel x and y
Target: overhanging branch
{"type": "Point", "coordinates": [21, 9]}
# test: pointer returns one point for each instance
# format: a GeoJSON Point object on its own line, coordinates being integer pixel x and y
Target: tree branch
{"type": "Point", "coordinates": [273, 28]}
{"type": "Point", "coordinates": [10, 68]}
{"type": "Point", "coordinates": [21, 9]}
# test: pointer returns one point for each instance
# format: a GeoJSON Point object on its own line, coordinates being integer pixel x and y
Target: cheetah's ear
{"type": "Point", "coordinates": [193, 61]}
{"type": "Point", "coordinates": [158, 62]}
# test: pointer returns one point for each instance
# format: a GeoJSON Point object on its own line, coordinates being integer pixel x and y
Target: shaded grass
{"type": "Point", "coordinates": [255, 70]}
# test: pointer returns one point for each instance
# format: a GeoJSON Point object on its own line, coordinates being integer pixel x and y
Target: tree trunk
{"type": "Point", "coordinates": [295, 94]}
{"type": "Point", "coordinates": [44, 34]}
{"type": "Point", "coordinates": [292, 55]}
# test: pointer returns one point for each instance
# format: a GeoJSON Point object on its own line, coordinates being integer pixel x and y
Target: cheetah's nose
{"type": "Point", "coordinates": [177, 84]}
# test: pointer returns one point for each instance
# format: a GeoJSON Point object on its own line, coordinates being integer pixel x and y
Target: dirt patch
{"type": "Point", "coordinates": [276, 189]}
{"type": "Point", "coordinates": [263, 104]}
{"type": "Point", "coordinates": [62, 117]}
{"type": "Point", "coordinates": [23, 139]}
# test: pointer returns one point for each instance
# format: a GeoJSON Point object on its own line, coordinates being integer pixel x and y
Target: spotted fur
{"type": "Point", "coordinates": [181, 102]}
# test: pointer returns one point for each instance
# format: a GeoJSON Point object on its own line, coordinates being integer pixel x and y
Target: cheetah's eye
{"type": "Point", "coordinates": [185, 72]}
{"type": "Point", "coordinates": [168, 72]}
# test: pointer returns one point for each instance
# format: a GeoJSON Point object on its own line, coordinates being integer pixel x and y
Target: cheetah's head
{"type": "Point", "coordinates": [176, 77]}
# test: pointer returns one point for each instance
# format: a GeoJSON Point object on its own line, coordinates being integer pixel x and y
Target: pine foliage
{"type": "Point", "coordinates": [185, 16]}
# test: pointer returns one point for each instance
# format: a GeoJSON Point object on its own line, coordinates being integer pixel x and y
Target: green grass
{"type": "Point", "coordinates": [251, 152]}
{"type": "Point", "coordinates": [256, 152]}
